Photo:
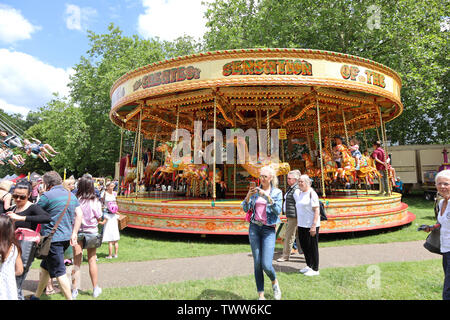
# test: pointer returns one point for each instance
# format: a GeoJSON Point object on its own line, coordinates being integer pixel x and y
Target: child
{"type": "Point", "coordinates": [38, 149]}
{"type": "Point", "coordinates": [111, 228]}
{"type": "Point", "coordinates": [10, 260]}
{"type": "Point", "coordinates": [354, 149]}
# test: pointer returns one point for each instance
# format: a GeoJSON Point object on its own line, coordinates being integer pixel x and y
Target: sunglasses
{"type": "Point", "coordinates": [19, 196]}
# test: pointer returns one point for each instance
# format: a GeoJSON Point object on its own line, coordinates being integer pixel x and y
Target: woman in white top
{"type": "Point", "coordinates": [308, 222]}
{"type": "Point", "coordinates": [443, 219]}
{"type": "Point", "coordinates": [111, 228]}
{"type": "Point", "coordinates": [10, 261]}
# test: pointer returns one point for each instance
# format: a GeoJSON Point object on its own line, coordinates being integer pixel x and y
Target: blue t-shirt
{"type": "Point", "coordinates": [54, 201]}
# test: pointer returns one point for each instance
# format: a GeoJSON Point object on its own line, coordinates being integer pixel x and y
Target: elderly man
{"type": "Point", "coordinates": [291, 215]}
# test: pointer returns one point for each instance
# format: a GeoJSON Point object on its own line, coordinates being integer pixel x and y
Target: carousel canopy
{"type": "Point", "coordinates": [249, 85]}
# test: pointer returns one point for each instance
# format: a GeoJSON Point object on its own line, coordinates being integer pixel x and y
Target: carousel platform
{"type": "Point", "coordinates": [346, 211]}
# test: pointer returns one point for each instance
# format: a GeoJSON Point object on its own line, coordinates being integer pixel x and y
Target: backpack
{"type": "Point", "coordinates": [323, 212]}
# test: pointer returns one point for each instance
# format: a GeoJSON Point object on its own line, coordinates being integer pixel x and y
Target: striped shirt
{"type": "Point", "coordinates": [54, 201]}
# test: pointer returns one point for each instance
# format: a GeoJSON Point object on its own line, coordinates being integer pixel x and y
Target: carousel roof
{"type": "Point", "coordinates": [247, 85]}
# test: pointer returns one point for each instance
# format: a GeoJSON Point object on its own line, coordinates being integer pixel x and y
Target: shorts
{"type": "Point", "coordinates": [54, 263]}
{"type": "Point", "coordinates": [356, 154]}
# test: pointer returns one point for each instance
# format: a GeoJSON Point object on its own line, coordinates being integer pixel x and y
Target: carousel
{"type": "Point", "coordinates": [214, 119]}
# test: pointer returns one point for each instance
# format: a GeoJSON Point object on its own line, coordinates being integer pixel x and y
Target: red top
{"type": "Point", "coordinates": [379, 154]}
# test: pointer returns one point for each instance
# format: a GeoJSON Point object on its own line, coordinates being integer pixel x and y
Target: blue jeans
{"type": "Point", "coordinates": [262, 242]}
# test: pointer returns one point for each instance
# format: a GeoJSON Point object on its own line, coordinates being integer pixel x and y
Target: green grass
{"type": "Point", "coordinates": [143, 245]}
{"type": "Point", "coordinates": [397, 281]}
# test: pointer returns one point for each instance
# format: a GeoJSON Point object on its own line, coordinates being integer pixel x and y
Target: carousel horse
{"type": "Point", "coordinates": [170, 165]}
{"type": "Point", "coordinates": [329, 164]}
{"type": "Point", "coordinates": [254, 169]}
{"type": "Point", "coordinates": [311, 170]}
{"type": "Point", "coordinates": [149, 170]}
{"type": "Point", "coordinates": [349, 163]}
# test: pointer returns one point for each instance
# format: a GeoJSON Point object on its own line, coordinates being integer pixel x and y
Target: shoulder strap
{"type": "Point", "coordinates": [61, 216]}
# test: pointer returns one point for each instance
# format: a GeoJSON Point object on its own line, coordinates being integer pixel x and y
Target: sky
{"type": "Point", "coordinates": [41, 41]}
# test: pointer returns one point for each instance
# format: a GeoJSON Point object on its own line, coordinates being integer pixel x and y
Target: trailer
{"type": "Point", "coordinates": [417, 166]}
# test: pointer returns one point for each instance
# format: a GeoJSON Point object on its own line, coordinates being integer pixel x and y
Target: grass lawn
{"type": "Point", "coordinates": [420, 280]}
{"type": "Point", "coordinates": [397, 281]}
{"type": "Point", "coordinates": [142, 245]}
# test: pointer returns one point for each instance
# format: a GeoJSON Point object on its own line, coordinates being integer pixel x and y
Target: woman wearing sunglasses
{"type": "Point", "coordinates": [28, 215]}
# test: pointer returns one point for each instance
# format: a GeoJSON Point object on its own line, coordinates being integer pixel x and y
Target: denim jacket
{"type": "Point", "coordinates": [272, 210]}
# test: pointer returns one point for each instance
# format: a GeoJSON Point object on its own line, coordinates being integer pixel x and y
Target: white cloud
{"type": "Point", "coordinates": [77, 18]}
{"type": "Point", "coordinates": [13, 26]}
{"type": "Point", "coordinates": [170, 19]}
{"type": "Point", "coordinates": [28, 83]}
{"type": "Point", "coordinates": [11, 108]}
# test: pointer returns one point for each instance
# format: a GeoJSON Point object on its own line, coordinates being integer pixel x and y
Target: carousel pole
{"type": "Point", "coordinates": [320, 148]}
{"type": "Point", "coordinates": [235, 156]}
{"type": "Point", "coordinates": [268, 131]}
{"type": "Point", "coordinates": [345, 127]}
{"type": "Point", "coordinates": [215, 145]}
{"type": "Point", "coordinates": [383, 136]}
{"type": "Point", "coordinates": [348, 144]}
{"type": "Point", "coordinates": [120, 157]}
{"type": "Point", "coordinates": [308, 142]}
{"type": "Point", "coordinates": [138, 160]}
{"type": "Point", "coordinates": [282, 155]}
{"type": "Point", "coordinates": [175, 144]}
{"type": "Point", "coordinates": [329, 134]}
{"type": "Point", "coordinates": [154, 146]}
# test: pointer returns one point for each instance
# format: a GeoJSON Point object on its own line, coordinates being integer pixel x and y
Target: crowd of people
{"type": "Point", "coordinates": [264, 204]}
{"type": "Point", "coordinates": [81, 208]}
{"type": "Point", "coordinates": [77, 208]}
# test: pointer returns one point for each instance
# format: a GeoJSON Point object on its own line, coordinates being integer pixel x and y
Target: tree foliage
{"type": "Point", "coordinates": [404, 35]}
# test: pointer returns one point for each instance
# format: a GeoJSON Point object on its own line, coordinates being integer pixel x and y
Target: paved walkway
{"type": "Point", "coordinates": [153, 272]}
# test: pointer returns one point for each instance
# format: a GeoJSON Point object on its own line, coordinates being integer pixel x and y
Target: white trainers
{"type": "Point", "coordinates": [97, 292]}
{"type": "Point", "coordinates": [305, 269]}
{"type": "Point", "coordinates": [276, 291]}
{"type": "Point", "coordinates": [282, 259]}
{"type": "Point", "coordinates": [311, 273]}
{"type": "Point", "coordinates": [74, 294]}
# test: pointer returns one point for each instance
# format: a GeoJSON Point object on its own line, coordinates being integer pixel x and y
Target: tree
{"type": "Point", "coordinates": [62, 125]}
{"type": "Point", "coordinates": [110, 56]}
{"type": "Point", "coordinates": [399, 34]}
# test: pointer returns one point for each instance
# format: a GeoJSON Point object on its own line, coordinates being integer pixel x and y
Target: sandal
{"type": "Point", "coordinates": [50, 292]}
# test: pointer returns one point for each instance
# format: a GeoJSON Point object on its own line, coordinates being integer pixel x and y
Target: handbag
{"type": "Point", "coordinates": [122, 221]}
{"type": "Point", "coordinates": [323, 213]}
{"type": "Point", "coordinates": [90, 240]}
{"type": "Point", "coordinates": [248, 215]}
{"type": "Point", "coordinates": [28, 240]}
{"type": "Point", "coordinates": [433, 241]}
{"type": "Point", "coordinates": [43, 247]}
